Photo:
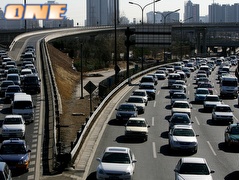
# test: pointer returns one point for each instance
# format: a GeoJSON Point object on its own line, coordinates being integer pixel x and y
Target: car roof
{"type": "Point", "coordinates": [212, 95]}
{"type": "Point", "coordinates": [182, 127]}
{"type": "Point", "coordinates": [223, 105]}
{"type": "Point", "coordinates": [186, 102]}
{"type": "Point", "coordinates": [180, 114]}
{"type": "Point", "coordinates": [193, 160]}
{"type": "Point", "coordinates": [234, 125]}
{"type": "Point", "coordinates": [13, 116]}
{"type": "Point", "coordinates": [137, 118]}
{"type": "Point", "coordinates": [202, 89]}
{"type": "Point", "coordinates": [14, 141]}
{"type": "Point", "coordinates": [117, 149]}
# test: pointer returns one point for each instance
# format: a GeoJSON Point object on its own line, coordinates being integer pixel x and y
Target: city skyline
{"type": "Point", "coordinates": [77, 10]}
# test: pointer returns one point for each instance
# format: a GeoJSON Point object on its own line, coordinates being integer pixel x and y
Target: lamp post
{"type": "Point", "coordinates": [164, 23]}
{"type": "Point", "coordinates": [181, 44]}
{"type": "Point", "coordinates": [142, 22]}
{"type": "Point", "coordinates": [25, 21]}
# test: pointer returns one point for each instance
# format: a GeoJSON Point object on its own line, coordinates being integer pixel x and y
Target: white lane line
{"type": "Point", "coordinates": [152, 121]}
{"type": "Point", "coordinates": [210, 146]}
{"type": "Point", "coordinates": [155, 102]}
{"type": "Point", "coordinates": [188, 93]}
{"type": "Point", "coordinates": [158, 92]}
{"type": "Point", "coordinates": [216, 92]}
{"type": "Point", "coordinates": [197, 121]}
{"type": "Point", "coordinates": [236, 118]}
{"type": "Point", "coordinates": [154, 150]}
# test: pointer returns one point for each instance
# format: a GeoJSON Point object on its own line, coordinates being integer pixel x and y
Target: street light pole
{"type": "Point", "coordinates": [181, 44]}
{"type": "Point", "coordinates": [142, 22]}
{"type": "Point", "coordinates": [25, 21]}
{"type": "Point", "coordinates": [164, 23]}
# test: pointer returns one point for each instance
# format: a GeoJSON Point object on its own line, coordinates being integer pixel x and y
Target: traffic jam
{"type": "Point", "coordinates": [20, 82]}
{"type": "Point", "coordinates": [120, 162]}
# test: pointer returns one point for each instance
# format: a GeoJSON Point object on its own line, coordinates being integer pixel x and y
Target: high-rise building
{"type": "Point", "coordinates": [223, 13]}
{"type": "Point", "coordinates": [191, 13]}
{"type": "Point", "coordinates": [101, 12]}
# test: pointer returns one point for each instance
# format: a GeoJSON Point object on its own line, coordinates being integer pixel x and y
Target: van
{"type": "Point", "coordinates": [229, 86]}
{"type": "Point", "coordinates": [5, 172]}
{"type": "Point", "coordinates": [22, 104]}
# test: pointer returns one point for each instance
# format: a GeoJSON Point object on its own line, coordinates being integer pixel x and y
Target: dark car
{"type": "Point", "coordinates": [207, 85]}
{"type": "Point", "coordinates": [232, 134]}
{"type": "Point", "coordinates": [11, 90]}
{"type": "Point", "coordinates": [149, 88]}
{"type": "Point", "coordinates": [126, 111]}
{"type": "Point", "coordinates": [4, 85]}
{"type": "Point", "coordinates": [31, 84]}
{"type": "Point", "coordinates": [15, 153]}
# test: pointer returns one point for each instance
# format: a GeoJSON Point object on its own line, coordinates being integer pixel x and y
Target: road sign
{"type": "Point", "coordinates": [90, 87]}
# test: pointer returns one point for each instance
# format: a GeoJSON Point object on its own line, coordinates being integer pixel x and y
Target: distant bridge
{"type": "Point", "coordinates": [202, 35]}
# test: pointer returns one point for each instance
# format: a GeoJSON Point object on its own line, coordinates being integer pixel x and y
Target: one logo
{"type": "Point", "coordinates": [35, 11]}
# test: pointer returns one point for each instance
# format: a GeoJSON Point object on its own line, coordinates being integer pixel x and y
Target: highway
{"type": "Point", "coordinates": [154, 161]}
{"type": "Point", "coordinates": [34, 131]}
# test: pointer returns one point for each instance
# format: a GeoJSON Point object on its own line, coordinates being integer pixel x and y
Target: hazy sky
{"type": "Point", "coordinates": [76, 9]}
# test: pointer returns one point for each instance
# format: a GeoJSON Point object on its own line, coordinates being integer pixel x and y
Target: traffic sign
{"type": "Point", "coordinates": [90, 87]}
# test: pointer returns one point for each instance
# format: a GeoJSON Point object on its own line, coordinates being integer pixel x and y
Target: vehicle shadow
{"type": "Point", "coordinates": [232, 149]}
{"type": "Point", "coordinates": [164, 135]}
{"type": "Point", "coordinates": [232, 176]}
{"type": "Point", "coordinates": [115, 122]}
{"type": "Point", "coordinates": [124, 139]}
{"type": "Point", "coordinates": [165, 150]}
{"type": "Point", "coordinates": [92, 176]}
{"type": "Point", "coordinates": [211, 123]}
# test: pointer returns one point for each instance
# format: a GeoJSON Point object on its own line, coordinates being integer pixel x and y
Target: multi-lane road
{"type": "Point", "coordinates": [34, 130]}
{"type": "Point", "coordinates": [154, 161]}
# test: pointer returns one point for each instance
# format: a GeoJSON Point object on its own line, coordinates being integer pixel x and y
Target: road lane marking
{"type": "Point", "coordinates": [210, 146]}
{"type": "Point", "coordinates": [154, 150]}
{"type": "Point", "coordinates": [155, 102]}
{"type": "Point", "coordinates": [235, 118]}
{"type": "Point", "coordinates": [152, 121]}
{"type": "Point", "coordinates": [158, 92]}
{"type": "Point", "coordinates": [197, 121]}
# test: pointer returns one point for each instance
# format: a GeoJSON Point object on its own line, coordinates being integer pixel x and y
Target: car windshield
{"type": "Point", "coordinates": [176, 87]}
{"type": "Point", "coordinates": [208, 98]}
{"type": "Point", "coordinates": [180, 105]}
{"type": "Point", "coordinates": [194, 168]}
{"type": "Point", "coordinates": [146, 87]}
{"type": "Point", "coordinates": [137, 123]}
{"type": "Point", "coordinates": [126, 108]}
{"type": "Point", "coordinates": [202, 92]}
{"type": "Point", "coordinates": [235, 130]}
{"type": "Point", "coordinates": [15, 89]}
{"type": "Point", "coordinates": [183, 132]}
{"type": "Point", "coordinates": [223, 109]}
{"type": "Point", "coordinates": [114, 157]}
{"type": "Point", "coordinates": [179, 96]}
{"type": "Point", "coordinates": [136, 100]}
{"type": "Point", "coordinates": [137, 93]}
{"type": "Point", "coordinates": [13, 149]}
{"type": "Point", "coordinates": [12, 121]}
{"type": "Point", "coordinates": [206, 85]}
{"type": "Point", "coordinates": [180, 119]}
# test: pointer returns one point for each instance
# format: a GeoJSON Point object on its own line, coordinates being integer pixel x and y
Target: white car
{"type": "Point", "coordinates": [116, 163]}
{"type": "Point", "coordinates": [178, 96]}
{"type": "Point", "coordinates": [137, 127]}
{"type": "Point", "coordinates": [189, 168]}
{"type": "Point", "coordinates": [142, 93]}
{"type": "Point", "coordinates": [211, 101]}
{"type": "Point", "coordinates": [13, 126]}
{"type": "Point", "coordinates": [222, 112]}
{"type": "Point", "coordinates": [181, 107]}
{"type": "Point", "coordinates": [139, 103]}
{"type": "Point", "coordinates": [183, 137]}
